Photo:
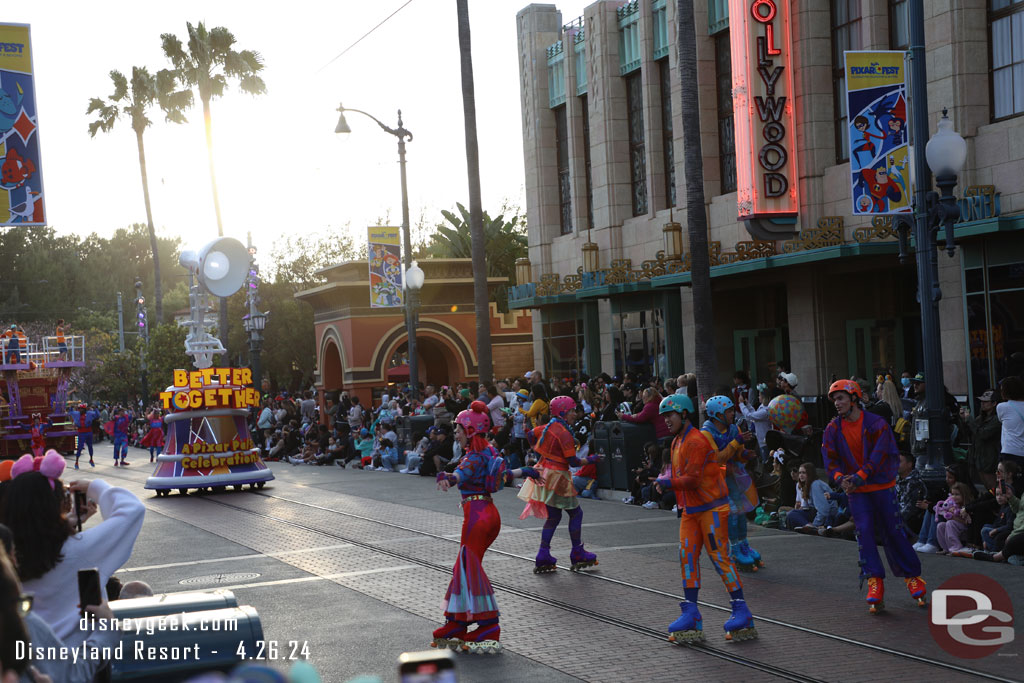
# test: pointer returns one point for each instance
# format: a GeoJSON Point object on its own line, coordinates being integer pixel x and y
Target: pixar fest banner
{"type": "Point", "coordinates": [21, 179]}
{"type": "Point", "coordinates": [385, 255]}
{"type": "Point", "coordinates": [876, 98]}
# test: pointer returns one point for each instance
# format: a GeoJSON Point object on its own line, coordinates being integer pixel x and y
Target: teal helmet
{"type": "Point", "coordinates": [717, 405]}
{"type": "Point", "coordinates": [675, 403]}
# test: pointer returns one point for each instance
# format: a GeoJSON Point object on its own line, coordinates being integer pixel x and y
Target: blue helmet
{"type": "Point", "coordinates": [717, 405]}
{"type": "Point", "coordinates": [675, 403]}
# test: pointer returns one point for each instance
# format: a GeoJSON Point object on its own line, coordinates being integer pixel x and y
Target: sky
{"type": "Point", "coordinates": [281, 169]}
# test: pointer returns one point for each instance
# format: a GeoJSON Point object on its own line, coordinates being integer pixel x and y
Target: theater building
{"type": "Point", "coordinates": [363, 350]}
{"type": "Point", "coordinates": [803, 280]}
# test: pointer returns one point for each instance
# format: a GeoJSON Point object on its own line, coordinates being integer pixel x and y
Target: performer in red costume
{"type": "Point", "coordinates": [470, 598]}
{"type": "Point", "coordinates": [154, 438]}
{"type": "Point", "coordinates": [554, 491]}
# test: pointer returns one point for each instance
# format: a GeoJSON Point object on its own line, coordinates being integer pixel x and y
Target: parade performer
{"type": "Point", "coordinates": [703, 498]}
{"type": "Point", "coordinates": [154, 438]}
{"type": "Point", "coordinates": [62, 342]}
{"type": "Point", "coordinates": [121, 426]}
{"type": "Point", "coordinates": [470, 598]}
{"type": "Point", "coordinates": [860, 454]}
{"type": "Point", "coordinates": [15, 337]}
{"type": "Point", "coordinates": [38, 432]}
{"type": "Point", "coordinates": [554, 491]}
{"type": "Point", "coordinates": [723, 434]}
{"type": "Point", "coordinates": [83, 420]}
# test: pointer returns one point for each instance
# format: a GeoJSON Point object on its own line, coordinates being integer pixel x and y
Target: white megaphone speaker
{"type": "Point", "coordinates": [221, 266]}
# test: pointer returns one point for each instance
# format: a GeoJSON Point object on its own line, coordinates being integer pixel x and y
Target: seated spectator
{"type": "Point", "coordinates": [645, 474]}
{"type": "Point", "coordinates": [388, 455]}
{"type": "Point", "coordinates": [928, 541]}
{"type": "Point", "coordinates": [1013, 546]}
{"type": "Point", "coordinates": [814, 509]}
{"type": "Point", "coordinates": [649, 415]}
{"type": "Point", "coordinates": [953, 518]}
{"type": "Point", "coordinates": [439, 453]}
{"type": "Point", "coordinates": [654, 495]}
{"type": "Point", "coordinates": [47, 552]}
{"type": "Point", "coordinates": [364, 448]}
{"type": "Point", "coordinates": [414, 458]}
{"type": "Point", "coordinates": [910, 489]}
{"type": "Point", "coordinates": [993, 536]}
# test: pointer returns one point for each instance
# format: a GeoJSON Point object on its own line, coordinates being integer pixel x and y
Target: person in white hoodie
{"type": "Point", "coordinates": [48, 551]}
{"type": "Point", "coordinates": [758, 416]}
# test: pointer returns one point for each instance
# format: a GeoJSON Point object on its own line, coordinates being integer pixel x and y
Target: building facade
{"type": "Point", "coordinates": [818, 288]}
{"type": "Point", "coordinates": [362, 350]}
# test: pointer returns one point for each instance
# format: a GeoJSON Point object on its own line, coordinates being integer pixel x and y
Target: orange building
{"type": "Point", "coordinates": [362, 350]}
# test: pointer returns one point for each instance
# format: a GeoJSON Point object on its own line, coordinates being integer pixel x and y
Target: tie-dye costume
{"type": "Point", "coordinates": [742, 492]}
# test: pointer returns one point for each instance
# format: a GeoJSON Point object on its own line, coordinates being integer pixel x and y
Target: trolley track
{"type": "Point", "coordinates": [610, 620]}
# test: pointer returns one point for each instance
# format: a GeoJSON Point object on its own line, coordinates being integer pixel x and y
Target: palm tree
{"type": "Point", "coordinates": [132, 100]}
{"type": "Point", "coordinates": [696, 214]}
{"type": "Point", "coordinates": [207, 65]}
{"type": "Point", "coordinates": [480, 305]}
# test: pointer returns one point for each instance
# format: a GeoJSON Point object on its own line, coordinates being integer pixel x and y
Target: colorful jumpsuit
{"type": "Point", "coordinates": [120, 438]}
{"type": "Point", "coordinates": [873, 505]}
{"type": "Point", "coordinates": [699, 483]}
{"type": "Point", "coordinates": [38, 439]}
{"type": "Point", "coordinates": [83, 420]}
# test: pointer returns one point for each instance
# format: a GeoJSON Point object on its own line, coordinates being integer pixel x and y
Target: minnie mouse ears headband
{"type": "Point", "coordinates": [50, 466]}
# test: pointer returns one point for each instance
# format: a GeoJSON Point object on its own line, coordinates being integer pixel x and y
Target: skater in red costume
{"type": "Point", "coordinates": [860, 454]}
{"type": "Point", "coordinates": [470, 598]}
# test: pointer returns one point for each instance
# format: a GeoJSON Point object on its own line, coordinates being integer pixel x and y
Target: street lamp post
{"type": "Point", "coordinates": [143, 329]}
{"type": "Point", "coordinates": [413, 284]}
{"type": "Point", "coordinates": [254, 322]}
{"type": "Point", "coordinates": [402, 134]}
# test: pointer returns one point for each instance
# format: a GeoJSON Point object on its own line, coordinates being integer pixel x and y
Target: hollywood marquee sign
{"type": "Point", "coordinates": [762, 79]}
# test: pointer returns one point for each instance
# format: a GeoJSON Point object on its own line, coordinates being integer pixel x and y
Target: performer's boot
{"type": "Point", "coordinates": [545, 562]}
{"type": "Point", "coordinates": [581, 558]}
{"type": "Point", "coordinates": [876, 595]}
{"type": "Point", "coordinates": [743, 561]}
{"type": "Point", "coordinates": [450, 635]}
{"type": "Point", "coordinates": [917, 588]}
{"type": "Point", "coordinates": [484, 639]}
{"type": "Point", "coordinates": [689, 627]}
{"type": "Point", "coordinates": [740, 625]}
{"type": "Point", "coordinates": [754, 555]}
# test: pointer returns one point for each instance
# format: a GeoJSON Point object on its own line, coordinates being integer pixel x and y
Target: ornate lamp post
{"type": "Point", "coordinates": [254, 322]}
{"type": "Point", "coordinates": [413, 284]}
{"type": "Point", "coordinates": [402, 134]}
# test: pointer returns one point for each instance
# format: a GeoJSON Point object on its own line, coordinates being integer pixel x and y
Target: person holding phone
{"type": "Point", "coordinates": [49, 553]}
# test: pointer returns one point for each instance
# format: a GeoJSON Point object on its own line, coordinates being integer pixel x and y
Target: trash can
{"type": "Point", "coordinates": [175, 646]}
{"type": "Point", "coordinates": [418, 425]}
{"type": "Point", "coordinates": [173, 603]}
{"type": "Point", "coordinates": [599, 446]}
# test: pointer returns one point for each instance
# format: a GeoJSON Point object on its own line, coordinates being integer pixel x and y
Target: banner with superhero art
{"type": "Point", "coordinates": [876, 99]}
{"type": "Point", "coordinates": [384, 252]}
{"type": "Point", "coordinates": [21, 180]}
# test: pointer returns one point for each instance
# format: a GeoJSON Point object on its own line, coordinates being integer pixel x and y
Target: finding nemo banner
{"type": "Point", "coordinates": [876, 98]}
{"type": "Point", "coordinates": [21, 179]}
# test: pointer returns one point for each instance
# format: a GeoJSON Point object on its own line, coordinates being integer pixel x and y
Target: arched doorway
{"type": "Point", "coordinates": [330, 374]}
{"type": "Point", "coordinates": [437, 362]}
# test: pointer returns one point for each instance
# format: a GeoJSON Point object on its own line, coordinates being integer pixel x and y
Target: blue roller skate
{"type": "Point", "coordinates": [742, 559]}
{"type": "Point", "coordinates": [754, 555]}
{"type": "Point", "coordinates": [581, 558]}
{"type": "Point", "coordinates": [544, 563]}
{"type": "Point", "coordinates": [689, 627]}
{"type": "Point", "coordinates": [740, 625]}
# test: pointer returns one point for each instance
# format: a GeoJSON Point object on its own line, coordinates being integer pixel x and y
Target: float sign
{"type": "Point", "coordinates": [762, 87]}
{"type": "Point", "coordinates": [21, 175]}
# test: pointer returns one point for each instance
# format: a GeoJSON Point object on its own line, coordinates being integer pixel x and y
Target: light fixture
{"type": "Point", "coordinates": [342, 126]}
{"type": "Point", "coordinates": [524, 270]}
{"type": "Point", "coordinates": [414, 277]}
{"type": "Point", "coordinates": [946, 151]}
{"type": "Point", "coordinates": [673, 234]}
{"type": "Point", "coordinates": [591, 256]}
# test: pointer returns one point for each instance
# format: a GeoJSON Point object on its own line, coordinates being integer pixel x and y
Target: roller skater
{"type": "Point", "coordinates": [860, 454]}
{"type": "Point", "coordinates": [722, 433]}
{"type": "Point", "coordinates": [553, 492]}
{"type": "Point", "coordinates": [470, 598]}
{"type": "Point", "coordinates": [703, 497]}
{"type": "Point", "coordinates": [83, 419]}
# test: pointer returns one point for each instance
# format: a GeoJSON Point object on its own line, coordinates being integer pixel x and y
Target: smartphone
{"type": "Point", "coordinates": [430, 666]}
{"type": "Point", "coordinates": [89, 589]}
{"type": "Point", "coordinates": [80, 506]}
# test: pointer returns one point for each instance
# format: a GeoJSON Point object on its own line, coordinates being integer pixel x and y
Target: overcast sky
{"type": "Point", "coordinates": [280, 166]}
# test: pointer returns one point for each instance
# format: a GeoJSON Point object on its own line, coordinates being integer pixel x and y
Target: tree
{"type": "Point", "coordinates": [504, 242]}
{"type": "Point", "coordinates": [207, 66]}
{"type": "Point", "coordinates": [165, 353]}
{"type": "Point", "coordinates": [696, 213]}
{"type": "Point", "coordinates": [132, 101]}
{"type": "Point", "coordinates": [480, 305]}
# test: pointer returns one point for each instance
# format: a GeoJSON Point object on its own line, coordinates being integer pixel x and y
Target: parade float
{"type": "Point", "coordinates": [208, 445]}
{"type": "Point", "coordinates": [35, 379]}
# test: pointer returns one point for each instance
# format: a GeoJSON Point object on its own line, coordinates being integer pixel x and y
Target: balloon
{"type": "Point", "coordinates": [784, 411]}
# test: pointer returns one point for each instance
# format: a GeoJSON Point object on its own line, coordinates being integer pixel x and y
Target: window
{"type": "Point", "coordinates": [899, 25]}
{"type": "Point", "coordinates": [639, 339]}
{"type": "Point", "coordinates": [726, 129]}
{"type": "Point", "coordinates": [585, 108]}
{"type": "Point", "coordinates": [563, 344]}
{"type": "Point", "coordinates": [564, 188]}
{"type": "Point", "coordinates": [666, 132]}
{"type": "Point", "coordinates": [637, 152]}
{"type": "Point", "coordinates": [1006, 29]}
{"type": "Point", "coordinates": [845, 36]}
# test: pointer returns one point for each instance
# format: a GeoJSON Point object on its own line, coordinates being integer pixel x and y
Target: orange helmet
{"type": "Point", "coordinates": [847, 385]}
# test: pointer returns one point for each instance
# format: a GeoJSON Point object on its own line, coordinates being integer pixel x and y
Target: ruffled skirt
{"type": "Point", "coordinates": [554, 488]}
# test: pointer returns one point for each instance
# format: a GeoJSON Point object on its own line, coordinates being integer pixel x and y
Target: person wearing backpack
{"type": "Point", "coordinates": [470, 598]}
